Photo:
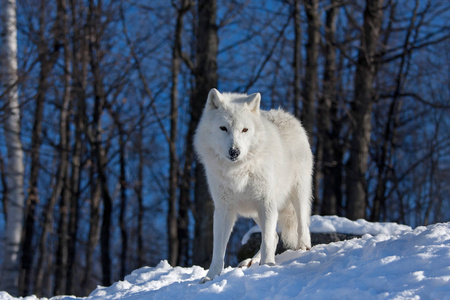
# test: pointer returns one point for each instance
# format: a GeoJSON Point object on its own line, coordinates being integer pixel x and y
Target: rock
{"type": "Point", "coordinates": [254, 242]}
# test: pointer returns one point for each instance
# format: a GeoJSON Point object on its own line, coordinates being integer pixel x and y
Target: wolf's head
{"type": "Point", "coordinates": [229, 124]}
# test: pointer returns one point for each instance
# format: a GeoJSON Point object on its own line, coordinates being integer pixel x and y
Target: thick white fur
{"type": "Point", "coordinates": [270, 181]}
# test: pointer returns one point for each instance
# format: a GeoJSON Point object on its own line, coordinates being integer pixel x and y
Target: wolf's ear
{"type": "Point", "coordinates": [214, 99]}
{"type": "Point", "coordinates": [254, 102]}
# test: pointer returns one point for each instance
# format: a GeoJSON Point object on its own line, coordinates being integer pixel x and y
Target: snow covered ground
{"type": "Point", "coordinates": [390, 261]}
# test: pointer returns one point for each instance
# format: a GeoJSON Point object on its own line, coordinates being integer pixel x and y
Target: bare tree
{"type": "Point", "coordinates": [93, 236]}
{"type": "Point", "coordinates": [328, 135]}
{"type": "Point", "coordinates": [311, 78]}
{"type": "Point", "coordinates": [379, 201]}
{"type": "Point", "coordinates": [177, 225]}
{"type": "Point", "coordinates": [123, 187]}
{"type": "Point", "coordinates": [5, 187]}
{"type": "Point", "coordinates": [80, 56]}
{"type": "Point", "coordinates": [361, 111]}
{"type": "Point", "coordinates": [14, 164]}
{"type": "Point", "coordinates": [62, 257]}
{"type": "Point", "coordinates": [205, 73]}
{"type": "Point", "coordinates": [123, 200]}
{"type": "Point", "coordinates": [179, 241]}
{"type": "Point", "coordinates": [95, 136]}
{"type": "Point", "coordinates": [310, 89]}
{"type": "Point", "coordinates": [46, 58]}
{"type": "Point", "coordinates": [297, 56]}
{"type": "Point", "coordinates": [139, 189]}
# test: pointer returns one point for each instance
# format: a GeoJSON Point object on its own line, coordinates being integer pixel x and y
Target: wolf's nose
{"type": "Point", "coordinates": [234, 153]}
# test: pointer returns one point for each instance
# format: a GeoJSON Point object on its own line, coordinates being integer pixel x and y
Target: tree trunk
{"type": "Point", "coordinates": [172, 228]}
{"type": "Point", "coordinates": [297, 57]}
{"type": "Point", "coordinates": [94, 221]}
{"type": "Point", "coordinates": [101, 161]}
{"type": "Point", "coordinates": [63, 270]}
{"type": "Point", "coordinates": [361, 111]}
{"type": "Point", "coordinates": [36, 141]}
{"type": "Point", "coordinates": [14, 164]}
{"type": "Point", "coordinates": [123, 202]}
{"type": "Point", "coordinates": [62, 168]}
{"type": "Point", "coordinates": [327, 112]}
{"type": "Point", "coordinates": [205, 79]}
{"type": "Point", "coordinates": [178, 227]}
{"type": "Point", "coordinates": [48, 215]}
{"type": "Point", "coordinates": [95, 137]}
{"type": "Point", "coordinates": [105, 236]}
{"type": "Point", "coordinates": [48, 220]}
{"type": "Point", "coordinates": [5, 188]}
{"type": "Point", "coordinates": [379, 200]}
{"type": "Point", "coordinates": [71, 288]}
{"type": "Point", "coordinates": [62, 247]}
{"type": "Point", "coordinates": [79, 81]}
{"type": "Point", "coordinates": [47, 56]}
{"type": "Point", "coordinates": [312, 54]}
{"type": "Point", "coordinates": [139, 191]}
{"type": "Point", "coordinates": [310, 90]}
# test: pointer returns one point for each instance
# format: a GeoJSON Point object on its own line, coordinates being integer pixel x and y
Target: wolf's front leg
{"type": "Point", "coordinates": [268, 217]}
{"type": "Point", "coordinates": [224, 218]}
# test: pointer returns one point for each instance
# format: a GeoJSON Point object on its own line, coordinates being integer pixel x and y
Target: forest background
{"type": "Point", "coordinates": [98, 173]}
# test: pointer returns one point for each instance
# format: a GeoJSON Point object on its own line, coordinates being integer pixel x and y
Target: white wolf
{"type": "Point", "coordinates": [259, 165]}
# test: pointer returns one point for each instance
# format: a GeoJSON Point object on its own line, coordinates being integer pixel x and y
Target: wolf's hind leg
{"type": "Point", "coordinates": [287, 223]}
{"type": "Point", "coordinates": [302, 205]}
{"type": "Point", "coordinates": [257, 257]}
{"type": "Point", "coordinates": [268, 216]}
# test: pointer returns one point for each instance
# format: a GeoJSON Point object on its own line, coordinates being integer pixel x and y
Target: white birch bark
{"type": "Point", "coordinates": [14, 170]}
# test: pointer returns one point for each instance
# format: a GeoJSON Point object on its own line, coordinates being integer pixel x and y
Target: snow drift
{"type": "Point", "coordinates": [390, 262]}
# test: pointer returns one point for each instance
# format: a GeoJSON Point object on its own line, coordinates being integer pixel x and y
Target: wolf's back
{"type": "Point", "coordinates": [288, 125]}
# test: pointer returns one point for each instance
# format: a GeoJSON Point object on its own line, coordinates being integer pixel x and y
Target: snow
{"type": "Point", "coordinates": [390, 261]}
{"type": "Point", "coordinates": [321, 224]}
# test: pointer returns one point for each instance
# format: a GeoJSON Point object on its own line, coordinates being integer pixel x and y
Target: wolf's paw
{"type": "Point", "coordinates": [248, 262]}
{"type": "Point", "coordinates": [304, 247]}
{"type": "Point", "coordinates": [204, 279]}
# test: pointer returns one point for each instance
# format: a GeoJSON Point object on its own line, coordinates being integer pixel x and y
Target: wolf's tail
{"type": "Point", "coordinates": [288, 225]}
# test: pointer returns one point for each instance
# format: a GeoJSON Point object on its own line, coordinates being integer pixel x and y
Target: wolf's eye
{"type": "Point", "coordinates": [245, 130]}
{"type": "Point", "coordinates": [223, 128]}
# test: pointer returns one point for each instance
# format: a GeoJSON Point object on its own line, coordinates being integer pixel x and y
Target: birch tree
{"type": "Point", "coordinates": [14, 170]}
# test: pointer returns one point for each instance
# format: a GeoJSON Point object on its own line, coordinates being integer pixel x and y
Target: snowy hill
{"type": "Point", "coordinates": [390, 261]}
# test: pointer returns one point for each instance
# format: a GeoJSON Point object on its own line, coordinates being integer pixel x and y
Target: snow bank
{"type": "Point", "coordinates": [6, 296]}
{"type": "Point", "coordinates": [403, 264]}
{"type": "Point", "coordinates": [322, 224]}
